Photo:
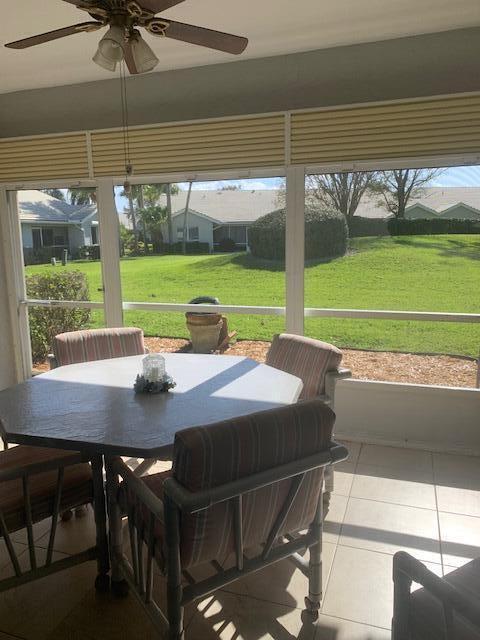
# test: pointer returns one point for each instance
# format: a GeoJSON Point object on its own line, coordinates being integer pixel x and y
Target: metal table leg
{"type": "Point", "coordinates": [102, 582]}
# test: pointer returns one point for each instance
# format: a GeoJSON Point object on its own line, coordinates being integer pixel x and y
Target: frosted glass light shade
{"type": "Point", "coordinates": [110, 49]}
{"type": "Point", "coordinates": [143, 56]}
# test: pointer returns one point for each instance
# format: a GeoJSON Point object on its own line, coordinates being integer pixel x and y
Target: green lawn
{"type": "Point", "coordinates": [414, 273]}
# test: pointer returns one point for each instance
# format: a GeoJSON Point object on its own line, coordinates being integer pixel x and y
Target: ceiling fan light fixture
{"type": "Point", "coordinates": [110, 48]}
{"type": "Point", "coordinates": [104, 62]}
{"type": "Point", "coordinates": [143, 56]}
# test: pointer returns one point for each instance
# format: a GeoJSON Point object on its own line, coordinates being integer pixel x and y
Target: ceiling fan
{"type": "Point", "coordinates": [123, 40]}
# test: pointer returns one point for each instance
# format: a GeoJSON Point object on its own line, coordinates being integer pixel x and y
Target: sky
{"type": "Point", "coordinates": [451, 177]}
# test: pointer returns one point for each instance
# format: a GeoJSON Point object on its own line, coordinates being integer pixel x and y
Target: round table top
{"type": "Point", "coordinates": [91, 407]}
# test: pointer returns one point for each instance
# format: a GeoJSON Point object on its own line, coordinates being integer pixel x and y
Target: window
{"type": "Point", "coordinates": [36, 238]}
{"type": "Point", "coordinates": [193, 233]}
{"type": "Point", "coordinates": [179, 233]}
{"type": "Point", "coordinates": [94, 235]}
{"type": "Point", "coordinates": [47, 237]}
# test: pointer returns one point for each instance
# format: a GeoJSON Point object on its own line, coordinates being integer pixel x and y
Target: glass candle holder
{"type": "Point", "coordinates": [153, 367]}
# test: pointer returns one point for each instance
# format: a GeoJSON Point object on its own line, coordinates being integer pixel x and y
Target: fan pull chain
{"type": "Point", "coordinates": [125, 128]}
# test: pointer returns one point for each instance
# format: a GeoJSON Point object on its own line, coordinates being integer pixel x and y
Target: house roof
{"type": "Point", "coordinates": [36, 206]}
{"type": "Point", "coordinates": [228, 206]}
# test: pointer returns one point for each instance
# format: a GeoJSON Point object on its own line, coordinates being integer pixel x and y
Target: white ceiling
{"type": "Point", "coordinates": [273, 27]}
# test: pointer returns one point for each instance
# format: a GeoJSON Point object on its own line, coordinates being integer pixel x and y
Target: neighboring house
{"type": "Point", "coordinates": [49, 223]}
{"type": "Point", "coordinates": [215, 215]}
{"type": "Point", "coordinates": [435, 202]}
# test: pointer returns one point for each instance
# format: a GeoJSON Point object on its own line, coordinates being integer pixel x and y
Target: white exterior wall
{"type": "Point", "coordinates": [27, 238]}
{"type": "Point", "coordinates": [75, 237]}
{"type": "Point", "coordinates": [205, 228]}
{"type": "Point", "coordinates": [414, 212]}
{"type": "Point", "coordinates": [418, 416]}
{"type": "Point", "coordinates": [460, 212]}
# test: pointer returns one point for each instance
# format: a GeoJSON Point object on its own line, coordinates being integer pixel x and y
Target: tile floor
{"type": "Point", "coordinates": [385, 499]}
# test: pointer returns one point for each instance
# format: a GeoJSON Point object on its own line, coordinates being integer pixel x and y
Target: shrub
{"type": "Point", "coordinates": [46, 323]}
{"type": "Point", "coordinates": [326, 234]}
{"type": "Point", "coordinates": [429, 226]}
{"type": "Point", "coordinates": [227, 245]}
{"type": "Point", "coordinates": [88, 252]}
{"type": "Point", "coordinates": [191, 248]}
{"type": "Point", "coordinates": [43, 255]}
{"type": "Point", "coordinates": [359, 227]}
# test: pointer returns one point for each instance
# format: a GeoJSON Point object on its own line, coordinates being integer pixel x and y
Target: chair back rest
{"type": "Point", "coordinates": [214, 455]}
{"type": "Point", "coordinates": [306, 358]}
{"type": "Point", "coordinates": [97, 344]}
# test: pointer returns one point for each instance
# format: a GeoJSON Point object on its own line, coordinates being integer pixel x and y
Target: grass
{"type": "Point", "coordinates": [413, 273]}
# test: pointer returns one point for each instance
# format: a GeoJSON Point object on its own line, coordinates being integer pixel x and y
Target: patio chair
{"type": "Point", "coordinates": [37, 483]}
{"type": "Point", "coordinates": [96, 344]}
{"type": "Point", "coordinates": [88, 345]}
{"type": "Point", "coordinates": [246, 490]}
{"type": "Point", "coordinates": [445, 608]}
{"type": "Point", "coordinates": [317, 364]}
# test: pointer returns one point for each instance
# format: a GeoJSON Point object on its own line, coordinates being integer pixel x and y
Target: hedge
{"type": "Point", "coordinates": [46, 323]}
{"type": "Point", "coordinates": [359, 227]}
{"type": "Point", "coordinates": [191, 248]}
{"type": "Point", "coordinates": [430, 226]}
{"type": "Point", "coordinates": [326, 234]}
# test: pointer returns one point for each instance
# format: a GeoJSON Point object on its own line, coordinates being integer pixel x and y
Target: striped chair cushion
{"type": "Point", "coordinates": [213, 455]}
{"type": "Point", "coordinates": [97, 344]}
{"type": "Point", "coordinates": [77, 488]}
{"type": "Point", "coordinates": [306, 358]}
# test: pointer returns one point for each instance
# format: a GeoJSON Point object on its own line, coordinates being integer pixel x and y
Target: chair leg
{"type": "Point", "coordinates": [174, 572]}
{"type": "Point", "coordinates": [119, 584]}
{"type": "Point", "coordinates": [314, 598]}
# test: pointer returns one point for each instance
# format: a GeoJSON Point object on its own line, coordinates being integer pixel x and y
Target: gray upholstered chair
{"type": "Point", "coordinates": [96, 344]}
{"type": "Point", "coordinates": [37, 483]}
{"type": "Point", "coordinates": [444, 608]}
{"type": "Point", "coordinates": [242, 494]}
{"type": "Point", "coordinates": [317, 364]}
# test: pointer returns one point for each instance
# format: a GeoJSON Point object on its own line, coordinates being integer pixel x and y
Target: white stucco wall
{"type": "Point", "coordinates": [75, 238]}
{"type": "Point", "coordinates": [418, 416]}
{"type": "Point", "coordinates": [205, 228]}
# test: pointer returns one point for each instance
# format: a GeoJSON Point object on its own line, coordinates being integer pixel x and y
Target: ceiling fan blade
{"type": "Point", "coordinates": [128, 57]}
{"type": "Point", "coordinates": [156, 6]}
{"type": "Point", "coordinates": [54, 35]}
{"type": "Point", "coordinates": [205, 37]}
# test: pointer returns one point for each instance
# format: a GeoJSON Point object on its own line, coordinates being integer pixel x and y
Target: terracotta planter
{"type": "Point", "coordinates": [205, 335]}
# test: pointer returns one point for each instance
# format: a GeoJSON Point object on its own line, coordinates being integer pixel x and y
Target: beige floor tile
{"type": "Point", "coordinates": [73, 536]}
{"type": "Point", "coordinates": [344, 473]}
{"type": "Point", "coordinates": [394, 485]}
{"type": "Point", "coordinates": [464, 471]}
{"type": "Point", "coordinates": [334, 518]}
{"type": "Point", "coordinates": [4, 555]}
{"type": "Point", "coordinates": [282, 583]}
{"type": "Point", "coordinates": [353, 450]}
{"type": "Point", "coordinates": [329, 628]}
{"type": "Point", "coordinates": [105, 618]}
{"type": "Point", "coordinates": [388, 528]}
{"type": "Point", "coordinates": [459, 500]}
{"type": "Point", "coordinates": [460, 536]}
{"type": "Point", "coordinates": [397, 458]}
{"type": "Point", "coordinates": [360, 587]}
{"type": "Point", "coordinates": [33, 610]}
{"type": "Point", "coordinates": [39, 530]}
{"type": "Point", "coordinates": [228, 616]}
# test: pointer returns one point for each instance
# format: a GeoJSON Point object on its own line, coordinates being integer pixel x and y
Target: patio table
{"type": "Point", "coordinates": [91, 407]}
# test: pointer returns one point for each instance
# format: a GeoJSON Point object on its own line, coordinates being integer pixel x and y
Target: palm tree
{"type": "Point", "coordinates": [55, 193]}
{"type": "Point", "coordinates": [82, 195]}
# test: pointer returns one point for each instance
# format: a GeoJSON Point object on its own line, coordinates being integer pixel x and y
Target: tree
{"type": "Point", "coordinates": [55, 193]}
{"type": "Point", "coordinates": [342, 191]}
{"type": "Point", "coordinates": [82, 195]}
{"type": "Point", "coordinates": [185, 220]}
{"type": "Point", "coordinates": [399, 186]}
{"type": "Point", "coordinates": [153, 217]}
